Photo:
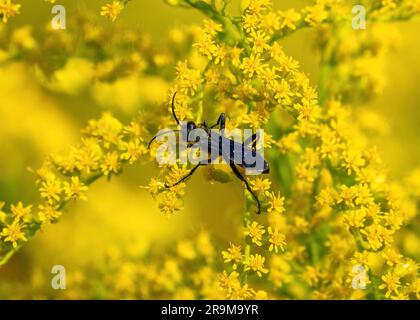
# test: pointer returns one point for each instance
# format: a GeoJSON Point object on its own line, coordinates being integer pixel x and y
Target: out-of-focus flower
{"type": "Point", "coordinates": [112, 10]}
{"type": "Point", "coordinates": [8, 9]}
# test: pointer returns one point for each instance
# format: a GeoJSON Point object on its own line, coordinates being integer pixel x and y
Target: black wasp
{"type": "Point", "coordinates": [233, 153]}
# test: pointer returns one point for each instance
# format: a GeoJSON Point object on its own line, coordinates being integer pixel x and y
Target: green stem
{"type": "Point", "coordinates": [7, 257]}
{"type": "Point", "coordinates": [206, 9]}
{"type": "Point", "coordinates": [323, 93]}
{"type": "Point", "coordinates": [247, 252]}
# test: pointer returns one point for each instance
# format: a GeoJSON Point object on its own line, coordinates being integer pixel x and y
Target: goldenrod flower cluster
{"type": "Point", "coordinates": [329, 205]}
{"type": "Point", "coordinates": [337, 189]}
{"type": "Point", "coordinates": [8, 9]}
{"type": "Point", "coordinates": [65, 177]}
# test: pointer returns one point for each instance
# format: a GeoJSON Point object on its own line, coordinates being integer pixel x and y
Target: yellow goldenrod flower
{"type": "Point", "coordinates": [373, 212]}
{"type": "Point", "coordinates": [48, 213]}
{"type": "Point", "coordinates": [260, 185]}
{"type": "Point", "coordinates": [111, 164]}
{"type": "Point", "coordinates": [315, 14]}
{"type": "Point", "coordinates": [13, 233]}
{"type": "Point", "coordinates": [289, 19]}
{"type": "Point", "coordinates": [353, 161]}
{"type": "Point", "coordinates": [86, 158]}
{"type": "Point", "coordinates": [256, 264]}
{"type": "Point", "coordinates": [270, 23]}
{"type": "Point", "coordinates": [133, 151]}
{"type": "Point", "coordinates": [259, 41]}
{"type": "Point", "coordinates": [233, 253]}
{"type": "Point", "coordinates": [275, 202]}
{"type": "Point", "coordinates": [252, 65]}
{"type": "Point", "coordinates": [363, 195]}
{"type": "Point", "coordinates": [400, 296]}
{"type": "Point", "coordinates": [8, 10]}
{"type": "Point", "coordinates": [177, 172]}
{"type": "Point", "coordinates": [360, 258]}
{"type": "Point", "coordinates": [255, 232]}
{"type": "Point", "coordinates": [51, 190]}
{"type": "Point", "coordinates": [311, 275]}
{"type": "Point", "coordinates": [75, 190]}
{"type": "Point", "coordinates": [254, 119]}
{"type": "Point", "coordinates": [169, 203]}
{"type": "Point", "coordinates": [256, 7]}
{"type": "Point", "coordinates": [106, 128]}
{"type": "Point", "coordinates": [377, 236]}
{"type": "Point", "coordinates": [21, 213]}
{"type": "Point", "coordinates": [220, 55]}
{"type": "Point", "coordinates": [154, 186]}
{"type": "Point", "coordinates": [355, 218]}
{"type": "Point", "coordinates": [112, 10]}
{"type": "Point", "coordinates": [206, 46]}
{"type": "Point", "coordinates": [135, 129]}
{"type": "Point", "coordinates": [283, 92]}
{"type": "Point", "coordinates": [261, 295]}
{"type": "Point", "coordinates": [277, 240]}
{"type": "Point", "coordinates": [391, 283]}
{"type": "Point", "coordinates": [325, 198]}
{"type": "Point", "coordinates": [250, 22]}
{"type": "Point", "coordinates": [392, 257]}
{"type": "Point", "coordinates": [330, 146]}
{"type": "Point", "coordinates": [414, 287]}
{"type": "Point", "coordinates": [211, 27]}
{"type": "Point", "coordinates": [347, 196]}
{"type": "Point", "coordinates": [189, 79]}
{"type": "Point", "coordinates": [307, 111]}
{"type": "Point", "coordinates": [229, 281]}
{"type": "Point", "coordinates": [269, 76]}
{"type": "Point", "coordinates": [241, 293]}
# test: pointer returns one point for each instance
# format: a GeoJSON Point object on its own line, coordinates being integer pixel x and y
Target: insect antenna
{"type": "Point", "coordinates": [173, 109]}
{"type": "Point", "coordinates": [158, 135]}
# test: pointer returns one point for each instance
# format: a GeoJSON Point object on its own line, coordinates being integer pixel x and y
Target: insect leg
{"type": "Point", "coordinates": [158, 135]}
{"type": "Point", "coordinates": [248, 187]}
{"type": "Point", "coordinates": [173, 109]}
{"type": "Point", "coordinates": [252, 139]}
{"type": "Point", "coordinates": [184, 178]}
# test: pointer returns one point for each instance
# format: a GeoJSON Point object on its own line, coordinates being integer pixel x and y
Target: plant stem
{"type": "Point", "coordinates": [246, 222]}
